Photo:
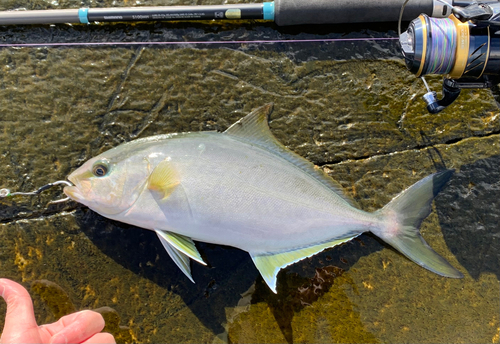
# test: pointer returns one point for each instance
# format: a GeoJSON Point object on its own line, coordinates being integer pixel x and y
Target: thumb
{"type": "Point", "coordinates": [20, 316]}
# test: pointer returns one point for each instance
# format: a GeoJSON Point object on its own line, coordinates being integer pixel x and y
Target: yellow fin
{"type": "Point", "coordinates": [269, 264]}
{"type": "Point", "coordinates": [163, 179]}
{"type": "Point", "coordinates": [183, 244]}
{"type": "Point", "coordinates": [179, 258]}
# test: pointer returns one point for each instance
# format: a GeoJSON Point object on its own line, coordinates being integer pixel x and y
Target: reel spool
{"type": "Point", "coordinates": [465, 47]}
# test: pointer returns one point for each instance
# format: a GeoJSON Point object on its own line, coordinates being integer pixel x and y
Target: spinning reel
{"type": "Point", "coordinates": [464, 46]}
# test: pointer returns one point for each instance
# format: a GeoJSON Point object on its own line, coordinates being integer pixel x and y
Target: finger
{"type": "Point", "coordinates": [101, 338]}
{"type": "Point", "coordinates": [19, 306]}
{"type": "Point", "coordinates": [76, 327]}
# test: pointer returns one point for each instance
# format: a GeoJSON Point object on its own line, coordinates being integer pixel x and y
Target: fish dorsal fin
{"type": "Point", "coordinates": [180, 248]}
{"type": "Point", "coordinates": [163, 179]}
{"type": "Point", "coordinates": [269, 264]}
{"type": "Point", "coordinates": [254, 129]}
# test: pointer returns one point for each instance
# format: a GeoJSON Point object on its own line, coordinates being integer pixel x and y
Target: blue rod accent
{"type": "Point", "coordinates": [83, 15]}
{"type": "Point", "coordinates": [268, 9]}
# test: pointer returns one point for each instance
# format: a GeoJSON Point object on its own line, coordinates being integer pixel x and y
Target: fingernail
{"type": "Point", "coordinates": [59, 339]}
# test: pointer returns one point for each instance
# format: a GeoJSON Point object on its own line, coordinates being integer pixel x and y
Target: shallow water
{"type": "Point", "coordinates": [349, 107]}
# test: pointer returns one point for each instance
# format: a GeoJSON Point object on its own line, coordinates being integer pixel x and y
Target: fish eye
{"type": "Point", "coordinates": [100, 169]}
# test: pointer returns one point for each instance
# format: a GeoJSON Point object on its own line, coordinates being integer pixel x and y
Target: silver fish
{"type": "Point", "coordinates": [245, 189]}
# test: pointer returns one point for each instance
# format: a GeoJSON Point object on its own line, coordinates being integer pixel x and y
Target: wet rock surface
{"type": "Point", "coordinates": [349, 107]}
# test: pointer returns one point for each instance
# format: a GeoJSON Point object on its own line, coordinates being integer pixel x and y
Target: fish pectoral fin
{"type": "Point", "coordinates": [163, 179]}
{"type": "Point", "coordinates": [269, 264]}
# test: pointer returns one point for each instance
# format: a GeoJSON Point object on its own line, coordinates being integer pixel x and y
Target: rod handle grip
{"type": "Point", "coordinates": [299, 12]}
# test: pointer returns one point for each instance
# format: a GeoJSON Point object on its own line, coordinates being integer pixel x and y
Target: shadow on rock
{"type": "Point", "coordinates": [469, 213]}
{"type": "Point", "coordinates": [141, 252]}
{"type": "Point", "coordinates": [59, 304]}
{"type": "Point", "coordinates": [230, 272]}
{"type": "Point", "coordinates": [305, 282]}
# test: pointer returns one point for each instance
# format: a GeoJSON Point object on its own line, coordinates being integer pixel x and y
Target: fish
{"type": "Point", "coordinates": [243, 188]}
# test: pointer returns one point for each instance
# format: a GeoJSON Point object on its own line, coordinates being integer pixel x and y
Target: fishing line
{"type": "Point", "coordinates": [442, 46]}
{"type": "Point", "coordinates": [67, 44]}
{"type": "Point", "coordinates": [6, 192]}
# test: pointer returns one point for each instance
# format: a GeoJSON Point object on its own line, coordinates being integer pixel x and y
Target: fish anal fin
{"type": "Point", "coordinates": [269, 264]}
{"type": "Point", "coordinates": [254, 129]}
{"type": "Point", "coordinates": [163, 179]}
{"type": "Point", "coordinates": [179, 258]}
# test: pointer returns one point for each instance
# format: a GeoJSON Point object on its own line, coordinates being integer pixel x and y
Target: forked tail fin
{"type": "Point", "coordinates": [403, 216]}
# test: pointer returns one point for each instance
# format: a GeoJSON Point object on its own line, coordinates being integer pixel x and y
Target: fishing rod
{"type": "Point", "coordinates": [282, 12]}
{"type": "Point", "coordinates": [456, 38]}
{"type": "Point", "coordinates": [464, 46]}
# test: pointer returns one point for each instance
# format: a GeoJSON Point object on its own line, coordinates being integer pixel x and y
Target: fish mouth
{"type": "Point", "coordinates": [73, 193]}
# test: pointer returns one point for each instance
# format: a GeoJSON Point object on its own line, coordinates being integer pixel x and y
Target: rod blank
{"type": "Point", "coordinates": [153, 13]}
{"type": "Point", "coordinates": [39, 17]}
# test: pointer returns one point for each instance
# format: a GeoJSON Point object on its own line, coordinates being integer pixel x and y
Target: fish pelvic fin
{"type": "Point", "coordinates": [403, 217]}
{"type": "Point", "coordinates": [180, 248]}
{"type": "Point", "coordinates": [269, 264]}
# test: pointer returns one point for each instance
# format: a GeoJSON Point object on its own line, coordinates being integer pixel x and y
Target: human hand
{"type": "Point", "coordinates": [21, 327]}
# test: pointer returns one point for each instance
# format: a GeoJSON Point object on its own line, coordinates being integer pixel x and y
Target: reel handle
{"type": "Point", "coordinates": [450, 94]}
